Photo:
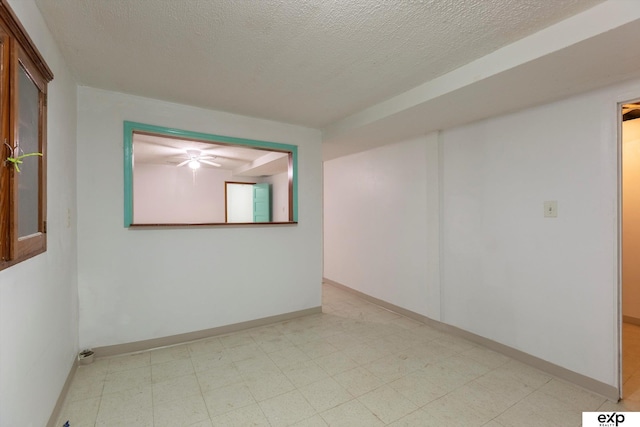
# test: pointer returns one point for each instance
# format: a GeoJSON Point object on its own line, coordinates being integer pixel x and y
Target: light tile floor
{"type": "Point", "coordinates": [631, 362]}
{"type": "Point", "coordinates": [355, 364]}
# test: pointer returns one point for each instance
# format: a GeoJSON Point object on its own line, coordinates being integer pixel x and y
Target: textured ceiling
{"type": "Point", "coordinates": [242, 161]}
{"type": "Point", "coordinates": [303, 62]}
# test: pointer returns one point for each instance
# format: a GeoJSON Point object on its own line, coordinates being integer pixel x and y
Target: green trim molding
{"type": "Point", "coordinates": [131, 127]}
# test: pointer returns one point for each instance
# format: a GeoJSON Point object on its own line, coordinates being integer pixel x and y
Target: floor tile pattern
{"type": "Point", "coordinates": [631, 362]}
{"type": "Point", "coordinates": [356, 364]}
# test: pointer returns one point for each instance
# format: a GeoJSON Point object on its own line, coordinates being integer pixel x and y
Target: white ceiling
{"type": "Point", "coordinates": [331, 64]}
{"type": "Point", "coordinates": [241, 161]}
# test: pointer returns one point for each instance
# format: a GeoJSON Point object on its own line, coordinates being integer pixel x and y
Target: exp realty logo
{"type": "Point", "coordinates": [610, 419]}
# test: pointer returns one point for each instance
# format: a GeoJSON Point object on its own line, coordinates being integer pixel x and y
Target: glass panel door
{"type": "Point", "coordinates": [28, 142]}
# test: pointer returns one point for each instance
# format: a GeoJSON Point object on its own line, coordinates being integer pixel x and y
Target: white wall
{"type": "Point", "coordinates": [279, 196]}
{"type": "Point", "coordinates": [380, 223]}
{"type": "Point", "coordinates": [167, 194]}
{"type": "Point", "coordinates": [631, 218]}
{"type": "Point", "coordinates": [544, 286]}
{"type": "Point", "coordinates": [541, 285]}
{"type": "Point", "coordinates": [38, 297]}
{"type": "Point", "coordinates": [137, 284]}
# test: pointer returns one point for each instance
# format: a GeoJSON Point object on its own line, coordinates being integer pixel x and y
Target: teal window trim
{"type": "Point", "coordinates": [131, 127]}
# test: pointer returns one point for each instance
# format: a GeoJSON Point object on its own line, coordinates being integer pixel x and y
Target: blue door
{"type": "Point", "coordinates": [262, 202]}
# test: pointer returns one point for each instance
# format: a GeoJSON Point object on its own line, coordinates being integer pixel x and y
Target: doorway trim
{"type": "Point", "coordinates": [620, 319]}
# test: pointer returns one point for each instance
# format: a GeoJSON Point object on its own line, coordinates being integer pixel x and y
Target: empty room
{"type": "Point", "coordinates": [318, 213]}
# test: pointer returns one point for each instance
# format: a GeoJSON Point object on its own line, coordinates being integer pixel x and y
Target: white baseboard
{"type": "Point", "coordinates": [57, 410]}
{"type": "Point", "coordinates": [605, 390]}
{"type": "Point", "coordinates": [132, 347]}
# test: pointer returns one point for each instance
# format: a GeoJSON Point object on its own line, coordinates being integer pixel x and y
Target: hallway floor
{"type": "Point", "coordinates": [355, 364]}
{"type": "Point", "coordinates": [631, 362]}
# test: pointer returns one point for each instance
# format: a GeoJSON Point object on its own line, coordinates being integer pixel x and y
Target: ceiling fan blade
{"type": "Point", "coordinates": [183, 163]}
{"type": "Point", "coordinates": [210, 163]}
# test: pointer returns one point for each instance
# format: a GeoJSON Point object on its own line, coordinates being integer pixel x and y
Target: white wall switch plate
{"type": "Point", "coordinates": [550, 209]}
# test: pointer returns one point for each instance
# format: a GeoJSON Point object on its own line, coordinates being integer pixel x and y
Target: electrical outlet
{"type": "Point", "coordinates": [550, 209]}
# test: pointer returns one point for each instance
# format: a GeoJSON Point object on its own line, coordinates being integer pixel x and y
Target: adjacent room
{"type": "Point", "coordinates": [317, 213]}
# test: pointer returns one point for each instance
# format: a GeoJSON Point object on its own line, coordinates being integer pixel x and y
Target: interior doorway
{"type": "Point", "coordinates": [630, 250]}
{"type": "Point", "coordinates": [247, 202]}
{"type": "Point", "coordinates": [238, 201]}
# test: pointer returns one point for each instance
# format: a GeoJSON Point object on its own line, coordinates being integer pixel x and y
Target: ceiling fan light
{"type": "Point", "coordinates": [194, 164]}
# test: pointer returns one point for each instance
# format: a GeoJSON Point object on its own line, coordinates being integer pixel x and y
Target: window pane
{"type": "Point", "coordinates": [28, 140]}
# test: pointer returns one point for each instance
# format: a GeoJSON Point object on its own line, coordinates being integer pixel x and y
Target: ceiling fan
{"type": "Point", "coordinates": [630, 111]}
{"type": "Point", "coordinates": [196, 157]}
